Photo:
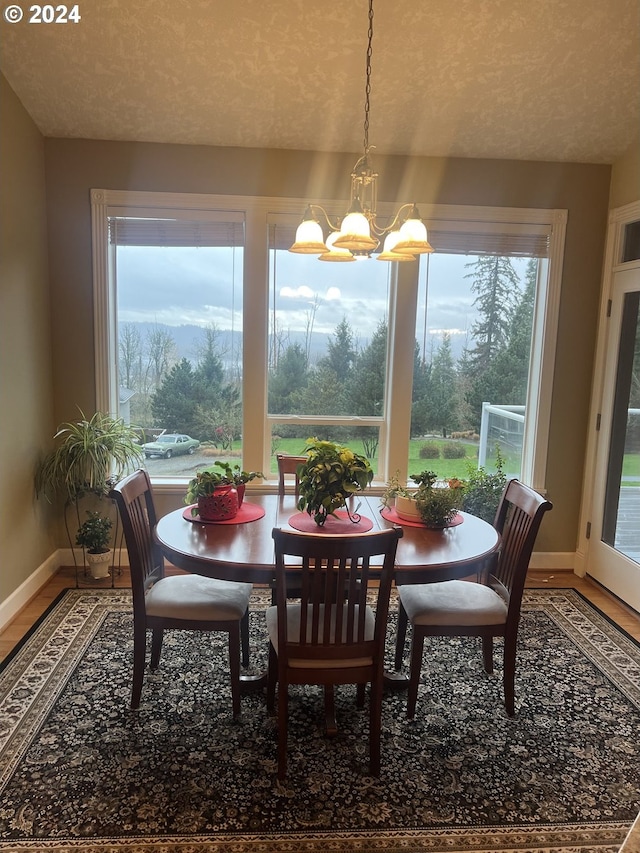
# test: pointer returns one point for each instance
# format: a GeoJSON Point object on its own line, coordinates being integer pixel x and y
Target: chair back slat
{"type": "Point", "coordinates": [335, 576]}
{"type": "Point", "coordinates": [134, 499]}
{"type": "Point", "coordinates": [518, 521]}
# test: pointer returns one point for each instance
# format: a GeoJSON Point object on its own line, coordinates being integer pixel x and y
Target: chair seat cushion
{"type": "Point", "coordinates": [293, 630]}
{"type": "Point", "coordinates": [452, 603]}
{"type": "Point", "coordinates": [194, 597]}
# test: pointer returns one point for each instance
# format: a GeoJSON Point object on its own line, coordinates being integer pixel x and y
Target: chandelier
{"type": "Point", "coordinates": [359, 234]}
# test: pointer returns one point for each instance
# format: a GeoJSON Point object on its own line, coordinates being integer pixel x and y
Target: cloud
{"type": "Point", "coordinates": [301, 292]}
{"type": "Point", "coordinates": [333, 294]}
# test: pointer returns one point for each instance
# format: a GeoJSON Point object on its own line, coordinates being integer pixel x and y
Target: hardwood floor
{"type": "Point", "coordinates": [607, 603]}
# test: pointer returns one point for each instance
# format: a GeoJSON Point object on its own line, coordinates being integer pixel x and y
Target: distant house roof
{"type": "Point", "coordinates": [125, 394]}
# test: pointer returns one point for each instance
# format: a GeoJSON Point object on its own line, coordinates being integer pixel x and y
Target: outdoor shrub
{"type": "Point", "coordinates": [455, 450]}
{"type": "Point", "coordinates": [483, 490]}
{"type": "Point", "coordinates": [429, 450]}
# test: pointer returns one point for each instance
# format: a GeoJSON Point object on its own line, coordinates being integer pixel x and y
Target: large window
{"type": "Point", "coordinates": [207, 326]}
{"type": "Point", "coordinates": [327, 362]}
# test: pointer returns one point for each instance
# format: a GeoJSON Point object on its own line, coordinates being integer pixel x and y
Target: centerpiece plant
{"type": "Point", "coordinates": [433, 502]}
{"type": "Point", "coordinates": [331, 475]}
{"type": "Point", "coordinates": [207, 484]}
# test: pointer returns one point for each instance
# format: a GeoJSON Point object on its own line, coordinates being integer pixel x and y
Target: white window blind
{"type": "Point", "coordinates": [139, 231]}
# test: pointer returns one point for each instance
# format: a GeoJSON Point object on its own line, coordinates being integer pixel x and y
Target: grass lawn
{"type": "Point", "coordinates": [443, 468]}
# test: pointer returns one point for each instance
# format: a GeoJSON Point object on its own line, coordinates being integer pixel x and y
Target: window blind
{"type": "Point", "coordinates": [130, 231]}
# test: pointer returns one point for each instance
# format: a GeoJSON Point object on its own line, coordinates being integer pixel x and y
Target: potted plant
{"type": "Point", "coordinates": [90, 455]}
{"type": "Point", "coordinates": [94, 535]}
{"type": "Point", "coordinates": [236, 476]}
{"type": "Point", "coordinates": [434, 503]}
{"type": "Point", "coordinates": [214, 496]}
{"type": "Point", "coordinates": [329, 477]}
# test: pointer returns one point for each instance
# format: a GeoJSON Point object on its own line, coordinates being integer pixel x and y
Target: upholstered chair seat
{"type": "Point", "coordinates": [193, 597]}
{"type": "Point", "coordinates": [453, 603]}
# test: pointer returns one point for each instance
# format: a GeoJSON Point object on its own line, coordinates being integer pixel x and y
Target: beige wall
{"type": "Point", "coordinates": [73, 167]}
{"type": "Point", "coordinates": [26, 409]}
{"type": "Point", "coordinates": [625, 178]}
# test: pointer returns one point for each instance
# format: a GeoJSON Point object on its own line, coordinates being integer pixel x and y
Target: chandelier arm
{"type": "Point", "coordinates": [327, 218]}
{"type": "Point", "coordinates": [396, 220]}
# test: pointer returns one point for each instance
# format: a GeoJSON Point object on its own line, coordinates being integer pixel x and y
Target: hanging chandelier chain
{"type": "Point", "coordinates": [367, 88]}
{"type": "Point", "coordinates": [357, 235]}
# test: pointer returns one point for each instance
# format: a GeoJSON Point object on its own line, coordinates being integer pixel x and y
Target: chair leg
{"type": "Point", "coordinates": [509, 676]}
{"type": "Point", "coordinates": [244, 638]}
{"type": "Point", "coordinates": [283, 718]}
{"type": "Point", "coordinates": [361, 691]}
{"type": "Point", "coordinates": [400, 635]}
{"type": "Point", "coordinates": [272, 678]}
{"type": "Point", "coordinates": [417, 644]}
{"type": "Point", "coordinates": [375, 726]}
{"type": "Point", "coordinates": [487, 654]}
{"type": "Point", "coordinates": [234, 667]}
{"type": "Point", "coordinates": [139, 655]}
{"type": "Point", "coordinates": [330, 710]}
{"type": "Point", "coordinates": [156, 646]}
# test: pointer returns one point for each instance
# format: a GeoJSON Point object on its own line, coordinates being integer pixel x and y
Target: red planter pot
{"type": "Point", "coordinates": [221, 505]}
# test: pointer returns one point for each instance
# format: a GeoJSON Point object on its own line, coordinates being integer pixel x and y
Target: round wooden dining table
{"type": "Point", "coordinates": [241, 549]}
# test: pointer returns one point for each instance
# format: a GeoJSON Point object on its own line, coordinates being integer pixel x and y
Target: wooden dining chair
{"type": "Point", "coordinates": [186, 601]}
{"type": "Point", "coordinates": [330, 635]}
{"type": "Point", "coordinates": [288, 465]}
{"type": "Point", "coordinates": [488, 609]}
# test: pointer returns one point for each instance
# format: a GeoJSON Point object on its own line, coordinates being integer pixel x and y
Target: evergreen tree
{"type": "Point", "coordinates": [288, 381]}
{"type": "Point", "coordinates": [496, 284]}
{"type": "Point", "coordinates": [509, 373]}
{"type": "Point", "coordinates": [441, 413]}
{"type": "Point", "coordinates": [341, 352]}
{"type": "Point", "coordinates": [420, 393]}
{"type": "Point", "coordinates": [366, 389]}
{"type": "Point", "coordinates": [174, 403]}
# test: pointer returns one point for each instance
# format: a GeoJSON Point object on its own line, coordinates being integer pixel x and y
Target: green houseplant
{"type": "Point", "coordinates": [236, 476]}
{"type": "Point", "coordinates": [214, 495]}
{"type": "Point", "coordinates": [433, 503]}
{"type": "Point", "coordinates": [94, 535]}
{"type": "Point", "coordinates": [89, 455]}
{"type": "Point", "coordinates": [329, 477]}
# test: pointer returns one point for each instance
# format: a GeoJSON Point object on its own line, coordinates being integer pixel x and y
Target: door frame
{"type": "Point", "coordinates": [618, 219]}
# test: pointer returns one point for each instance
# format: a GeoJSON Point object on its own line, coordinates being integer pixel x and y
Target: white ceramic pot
{"type": "Point", "coordinates": [407, 509]}
{"type": "Point", "coordinates": [99, 564]}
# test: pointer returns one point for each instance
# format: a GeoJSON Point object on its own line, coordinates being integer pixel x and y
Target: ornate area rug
{"type": "Point", "coordinates": [80, 771]}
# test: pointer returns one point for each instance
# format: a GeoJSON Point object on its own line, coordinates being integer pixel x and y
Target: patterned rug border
{"type": "Point", "coordinates": [73, 618]}
{"type": "Point", "coordinates": [604, 837]}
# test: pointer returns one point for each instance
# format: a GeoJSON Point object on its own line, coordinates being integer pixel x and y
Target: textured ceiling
{"type": "Point", "coordinates": [521, 79]}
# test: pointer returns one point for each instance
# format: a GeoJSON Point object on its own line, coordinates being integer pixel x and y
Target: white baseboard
{"type": "Point", "coordinates": [21, 596]}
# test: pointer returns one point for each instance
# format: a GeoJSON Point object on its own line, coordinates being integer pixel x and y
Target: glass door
{"type": "Point", "coordinates": [614, 550]}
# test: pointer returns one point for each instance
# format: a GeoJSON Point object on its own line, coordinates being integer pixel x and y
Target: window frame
{"type": "Point", "coordinates": [395, 423]}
